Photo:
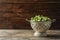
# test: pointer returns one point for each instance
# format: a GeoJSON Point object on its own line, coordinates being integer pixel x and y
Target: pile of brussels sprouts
{"type": "Point", "coordinates": [40, 18]}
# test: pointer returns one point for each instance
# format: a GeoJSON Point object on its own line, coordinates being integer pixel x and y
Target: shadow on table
{"type": "Point", "coordinates": [53, 36]}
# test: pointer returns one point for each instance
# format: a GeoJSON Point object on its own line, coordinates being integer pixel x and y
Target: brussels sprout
{"type": "Point", "coordinates": [40, 18]}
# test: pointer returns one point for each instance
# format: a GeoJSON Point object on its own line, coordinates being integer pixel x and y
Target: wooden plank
{"type": "Point", "coordinates": [14, 12]}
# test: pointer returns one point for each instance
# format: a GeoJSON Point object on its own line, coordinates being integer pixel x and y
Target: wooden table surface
{"type": "Point", "coordinates": [28, 35]}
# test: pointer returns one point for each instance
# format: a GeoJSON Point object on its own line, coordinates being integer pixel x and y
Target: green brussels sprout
{"type": "Point", "coordinates": [40, 18]}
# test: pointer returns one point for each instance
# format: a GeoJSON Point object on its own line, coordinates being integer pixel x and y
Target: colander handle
{"type": "Point", "coordinates": [27, 20]}
{"type": "Point", "coordinates": [53, 20]}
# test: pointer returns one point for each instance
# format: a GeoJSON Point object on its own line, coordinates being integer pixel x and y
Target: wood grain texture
{"type": "Point", "coordinates": [28, 35]}
{"type": "Point", "coordinates": [14, 12]}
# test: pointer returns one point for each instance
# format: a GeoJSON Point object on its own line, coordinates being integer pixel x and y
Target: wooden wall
{"type": "Point", "coordinates": [14, 12]}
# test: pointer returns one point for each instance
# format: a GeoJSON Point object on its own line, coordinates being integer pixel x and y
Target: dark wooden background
{"type": "Point", "coordinates": [14, 12]}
